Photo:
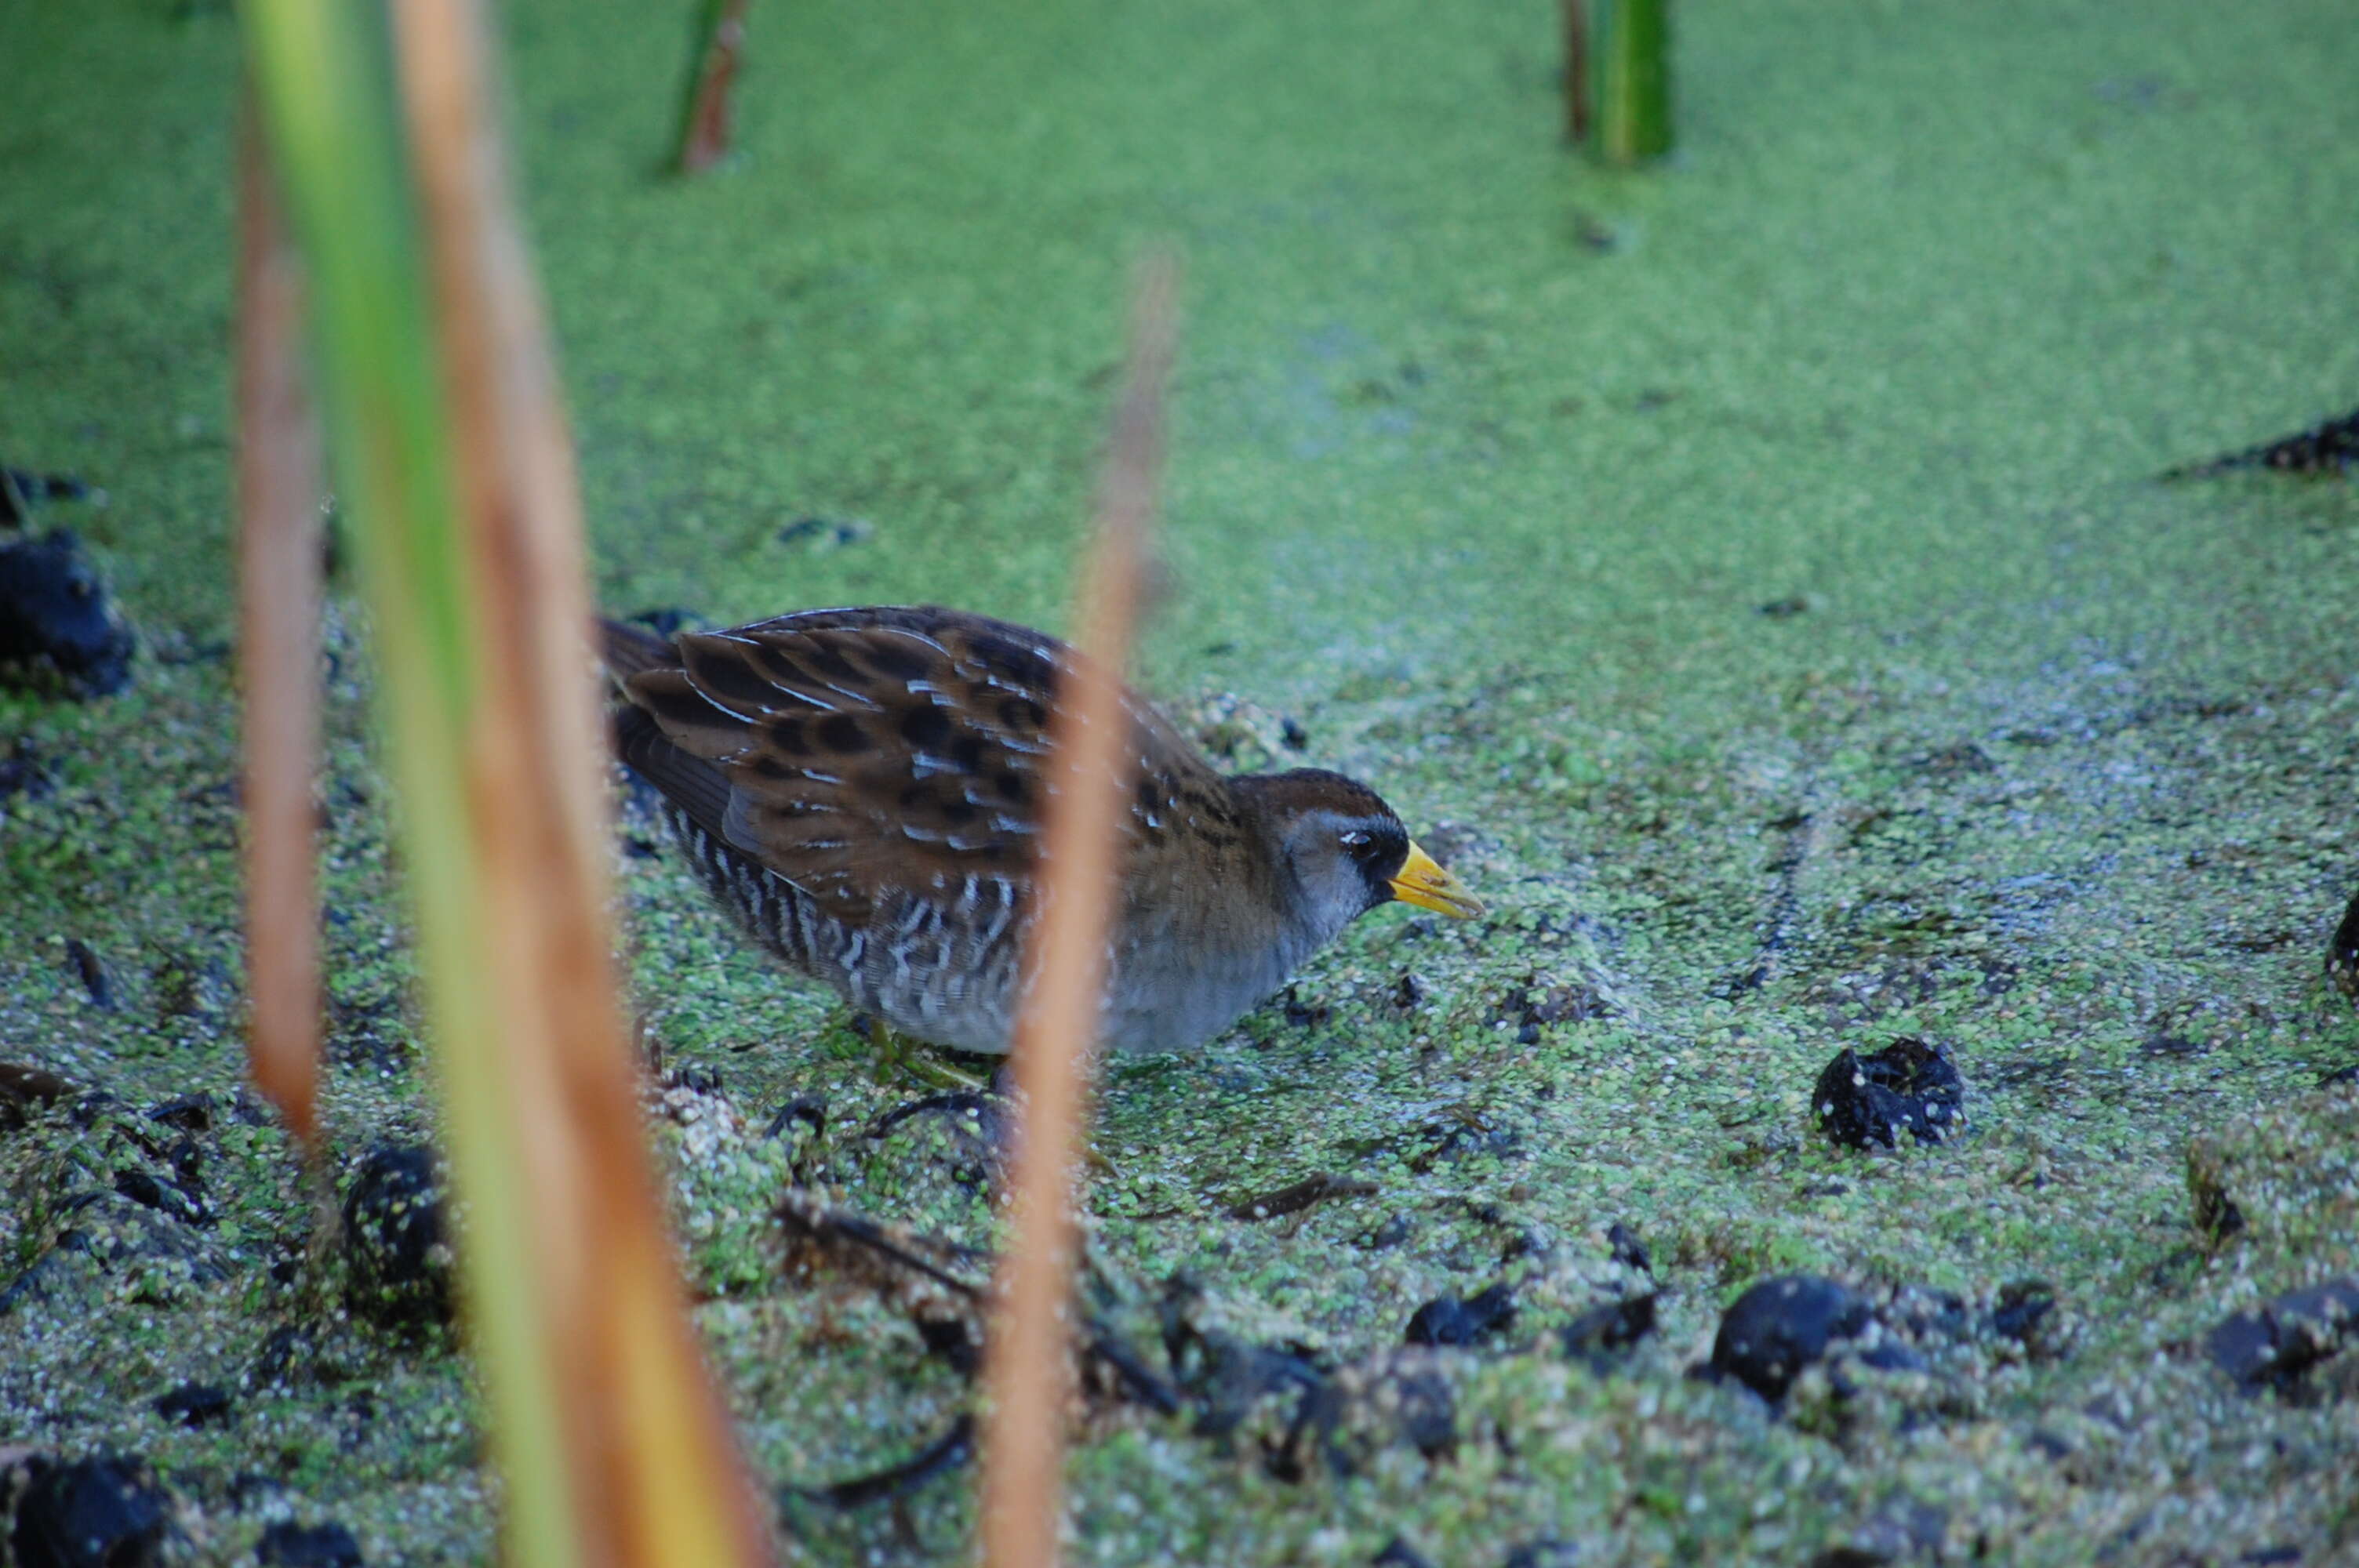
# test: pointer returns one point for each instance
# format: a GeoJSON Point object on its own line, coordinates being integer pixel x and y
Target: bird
{"type": "Point", "coordinates": [862, 788]}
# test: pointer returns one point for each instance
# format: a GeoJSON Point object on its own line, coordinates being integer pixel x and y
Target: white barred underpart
{"type": "Point", "coordinates": [937, 970]}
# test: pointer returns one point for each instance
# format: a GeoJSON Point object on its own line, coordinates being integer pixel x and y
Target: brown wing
{"type": "Point", "coordinates": [856, 752]}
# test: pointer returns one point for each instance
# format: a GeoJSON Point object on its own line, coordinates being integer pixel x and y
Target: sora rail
{"type": "Point", "coordinates": [862, 788]}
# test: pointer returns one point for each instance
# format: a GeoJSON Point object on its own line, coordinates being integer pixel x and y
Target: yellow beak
{"type": "Point", "coordinates": [1424, 883]}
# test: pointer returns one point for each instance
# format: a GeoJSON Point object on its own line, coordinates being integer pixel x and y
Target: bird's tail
{"type": "Point", "coordinates": [625, 650]}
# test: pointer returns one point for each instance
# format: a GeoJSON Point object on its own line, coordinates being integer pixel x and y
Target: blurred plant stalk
{"type": "Point", "coordinates": [455, 467]}
{"type": "Point", "coordinates": [279, 495]}
{"type": "Point", "coordinates": [704, 117]}
{"type": "Point", "coordinates": [1574, 16]}
{"type": "Point", "coordinates": [1631, 94]}
{"type": "Point", "coordinates": [1028, 1378]}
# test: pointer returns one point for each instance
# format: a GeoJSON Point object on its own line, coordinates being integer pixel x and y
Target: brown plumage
{"type": "Point", "coordinates": [863, 788]}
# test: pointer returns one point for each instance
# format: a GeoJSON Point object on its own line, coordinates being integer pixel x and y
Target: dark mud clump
{"type": "Point", "coordinates": [25, 1091]}
{"type": "Point", "coordinates": [1476, 1320]}
{"type": "Point", "coordinates": [1543, 1001]}
{"type": "Point", "coordinates": [1400, 1399]}
{"type": "Point", "coordinates": [1779, 1326]}
{"type": "Point", "coordinates": [104, 1512]}
{"type": "Point", "coordinates": [2343, 952]}
{"type": "Point", "coordinates": [1866, 1102]}
{"type": "Point", "coordinates": [56, 615]}
{"type": "Point", "coordinates": [22, 490]}
{"type": "Point", "coordinates": [195, 1404]}
{"type": "Point", "coordinates": [2329, 447]}
{"type": "Point", "coordinates": [396, 1239]}
{"type": "Point", "coordinates": [289, 1545]}
{"type": "Point", "coordinates": [1598, 1336]}
{"type": "Point", "coordinates": [22, 776]}
{"type": "Point", "coordinates": [2278, 1344]}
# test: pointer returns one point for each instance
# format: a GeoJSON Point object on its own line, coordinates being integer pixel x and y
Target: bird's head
{"type": "Point", "coordinates": [1347, 851]}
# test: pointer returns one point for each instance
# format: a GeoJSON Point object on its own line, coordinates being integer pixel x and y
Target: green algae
{"type": "Point", "coordinates": [1484, 466]}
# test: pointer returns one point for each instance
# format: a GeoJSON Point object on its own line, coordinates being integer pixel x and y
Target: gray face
{"type": "Point", "coordinates": [1343, 863]}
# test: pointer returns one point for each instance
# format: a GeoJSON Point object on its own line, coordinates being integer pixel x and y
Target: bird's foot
{"type": "Point", "coordinates": [902, 1056]}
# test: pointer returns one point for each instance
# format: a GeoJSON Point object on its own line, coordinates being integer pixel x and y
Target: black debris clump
{"type": "Point", "coordinates": [57, 618]}
{"type": "Point", "coordinates": [289, 1545]}
{"type": "Point", "coordinates": [2215, 1211]}
{"type": "Point", "coordinates": [2278, 1343]}
{"type": "Point", "coordinates": [97, 980]}
{"type": "Point", "coordinates": [1598, 1336]}
{"type": "Point", "coordinates": [1319, 1416]}
{"type": "Point", "coordinates": [2026, 1313]}
{"type": "Point", "coordinates": [1364, 1406]}
{"type": "Point", "coordinates": [2343, 952]}
{"type": "Point", "coordinates": [1222, 1375]}
{"type": "Point", "coordinates": [2329, 447]}
{"type": "Point", "coordinates": [105, 1234]}
{"type": "Point", "coordinates": [25, 1091]}
{"type": "Point", "coordinates": [1781, 1325]}
{"type": "Point", "coordinates": [824, 533]}
{"type": "Point", "coordinates": [1476, 1320]}
{"type": "Point", "coordinates": [1301, 1014]}
{"type": "Point", "coordinates": [1548, 1552]}
{"type": "Point", "coordinates": [1463, 1132]}
{"type": "Point", "coordinates": [189, 1112]}
{"type": "Point", "coordinates": [194, 1404]}
{"type": "Point", "coordinates": [22, 776]}
{"type": "Point", "coordinates": [1866, 1102]}
{"type": "Point", "coordinates": [21, 490]}
{"type": "Point", "coordinates": [395, 1239]}
{"type": "Point", "coordinates": [1902, 1530]}
{"type": "Point", "coordinates": [1543, 999]}
{"type": "Point", "coordinates": [101, 1512]}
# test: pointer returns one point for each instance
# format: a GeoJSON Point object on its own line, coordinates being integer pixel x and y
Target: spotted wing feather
{"type": "Point", "coordinates": [878, 752]}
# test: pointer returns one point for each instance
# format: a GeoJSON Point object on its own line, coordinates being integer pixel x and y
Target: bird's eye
{"type": "Point", "coordinates": [1355, 838]}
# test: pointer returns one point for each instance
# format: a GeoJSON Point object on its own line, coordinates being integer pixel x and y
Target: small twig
{"type": "Point", "coordinates": [890, 1258]}
{"type": "Point", "coordinates": [1294, 1197]}
{"type": "Point", "coordinates": [1576, 71]}
{"type": "Point", "coordinates": [1029, 1374]}
{"type": "Point", "coordinates": [809, 1216]}
{"type": "Point", "coordinates": [953, 1449]}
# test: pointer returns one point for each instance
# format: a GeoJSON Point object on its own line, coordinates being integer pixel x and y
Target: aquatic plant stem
{"type": "Point", "coordinates": [1028, 1376]}
{"type": "Point", "coordinates": [454, 464]}
{"type": "Point", "coordinates": [656, 1472]}
{"type": "Point", "coordinates": [1577, 115]}
{"type": "Point", "coordinates": [705, 115]}
{"type": "Point", "coordinates": [1632, 54]}
{"type": "Point", "coordinates": [279, 495]}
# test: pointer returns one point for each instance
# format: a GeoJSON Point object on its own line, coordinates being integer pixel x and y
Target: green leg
{"type": "Point", "coordinates": [898, 1056]}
